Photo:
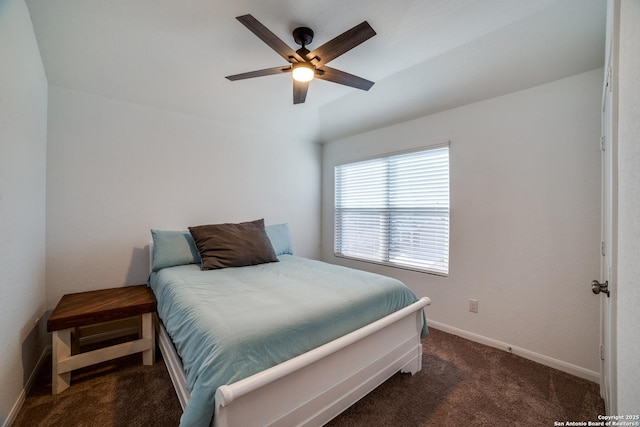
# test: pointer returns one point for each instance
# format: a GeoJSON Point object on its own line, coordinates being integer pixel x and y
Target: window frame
{"type": "Point", "coordinates": [444, 144]}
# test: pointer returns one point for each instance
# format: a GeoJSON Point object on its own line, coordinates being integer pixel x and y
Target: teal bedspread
{"type": "Point", "coordinates": [229, 324]}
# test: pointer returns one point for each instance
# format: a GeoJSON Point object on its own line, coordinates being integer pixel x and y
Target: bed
{"type": "Point", "coordinates": [287, 342]}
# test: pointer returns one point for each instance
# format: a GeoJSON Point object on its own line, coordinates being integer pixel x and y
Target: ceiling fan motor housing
{"type": "Point", "coordinates": [303, 36]}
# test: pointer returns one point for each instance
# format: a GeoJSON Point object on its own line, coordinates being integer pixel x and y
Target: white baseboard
{"type": "Point", "coordinates": [27, 387]}
{"type": "Point", "coordinates": [527, 354]}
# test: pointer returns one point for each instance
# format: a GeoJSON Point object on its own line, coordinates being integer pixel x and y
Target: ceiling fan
{"type": "Point", "coordinates": [305, 64]}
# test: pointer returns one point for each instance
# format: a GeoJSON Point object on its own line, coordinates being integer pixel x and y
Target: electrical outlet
{"type": "Point", "coordinates": [473, 305]}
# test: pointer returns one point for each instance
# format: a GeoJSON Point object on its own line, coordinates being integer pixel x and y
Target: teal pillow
{"type": "Point", "coordinates": [280, 238]}
{"type": "Point", "coordinates": [171, 248]}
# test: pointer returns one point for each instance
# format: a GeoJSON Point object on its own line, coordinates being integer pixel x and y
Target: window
{"type": "Point", "coordinates": [395, 210]}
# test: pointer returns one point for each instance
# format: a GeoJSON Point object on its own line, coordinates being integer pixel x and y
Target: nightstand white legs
{"type": "Point", "coordinates": [64, 362]}
{"type": "Point", "coordinates": [149, 355]}
{"type": "Point", "coordinates": [60, 380]}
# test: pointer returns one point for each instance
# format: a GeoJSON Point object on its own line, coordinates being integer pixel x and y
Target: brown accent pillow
{"type": "Point", "coordinates": [233, 245]}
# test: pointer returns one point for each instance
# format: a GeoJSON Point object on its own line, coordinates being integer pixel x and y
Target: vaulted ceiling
{"type": "Point", "coordinates": [427, 56]}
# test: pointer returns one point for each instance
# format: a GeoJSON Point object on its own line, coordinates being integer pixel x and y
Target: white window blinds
{"type": "Point", "coordinates": [395, 210]}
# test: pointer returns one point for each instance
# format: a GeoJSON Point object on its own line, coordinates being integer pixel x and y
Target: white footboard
{"type": "Point", "coordinates": [314, 387]}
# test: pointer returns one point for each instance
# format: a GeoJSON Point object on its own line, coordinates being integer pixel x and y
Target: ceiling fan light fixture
{"type": "Point", "coordinates": [303, 72]}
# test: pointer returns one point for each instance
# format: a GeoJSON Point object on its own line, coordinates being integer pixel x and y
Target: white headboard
{"type": "Point", "coordinates": [150, 256]}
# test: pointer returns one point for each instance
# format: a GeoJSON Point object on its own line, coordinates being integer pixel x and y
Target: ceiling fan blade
{"type": "Point", "coordinates": [299, 91]}
{"type": "Point", "coordinates": [259, 73]}
{"type": "Point", "coordinates": [337, 76]}
{"type": "Point", "coordinates": [269, 38]}
{"type": "Point", "coordinates": [341, 44]}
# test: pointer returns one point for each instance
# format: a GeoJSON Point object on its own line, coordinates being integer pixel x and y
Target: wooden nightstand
{"type": "Point", "coordinates": [86, 308]}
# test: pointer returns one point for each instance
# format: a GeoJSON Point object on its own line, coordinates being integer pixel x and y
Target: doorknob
{"type": "Point", "coordinates": [598, 287]}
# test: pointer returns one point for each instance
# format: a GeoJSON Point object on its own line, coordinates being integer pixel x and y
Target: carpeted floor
{"type": "Point", "coordinates": [462, 383]}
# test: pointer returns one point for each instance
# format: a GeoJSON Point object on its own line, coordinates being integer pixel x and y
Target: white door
{"type": "Point", "coordinates": [605, 286]}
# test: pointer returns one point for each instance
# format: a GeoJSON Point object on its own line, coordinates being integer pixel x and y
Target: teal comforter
{"type": "Point", "coordinates": [231, 323]}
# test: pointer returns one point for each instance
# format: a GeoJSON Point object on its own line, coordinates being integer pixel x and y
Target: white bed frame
{"type": "Point", "coordinates": [313, 388]}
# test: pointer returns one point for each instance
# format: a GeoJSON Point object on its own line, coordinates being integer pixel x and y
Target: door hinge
{"type": "Point", "coordinates": [609, 75]}
{"type": "Point", "coordinates": [602, 143]}
{"type": "Point", "coordinates": [602, 248]}
{"type": "Point", "coordinates": [601, 352]}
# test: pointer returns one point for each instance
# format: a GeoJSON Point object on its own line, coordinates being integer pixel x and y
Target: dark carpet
{"type": "Point", "coordinates": [462, 383]}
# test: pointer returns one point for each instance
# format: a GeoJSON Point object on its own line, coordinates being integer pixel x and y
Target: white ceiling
{"type": "Point", "coordinates": [427, 56]}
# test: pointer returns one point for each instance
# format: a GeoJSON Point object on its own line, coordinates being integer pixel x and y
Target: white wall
{"type": "Point", "coordinates": [23, 145]}
{"type": "Point", "coordinates": [116, 170]}
{"type": "Point", "coordinates": [525, 217]}
{"type": "Point", "coordinates": [628, 321]}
